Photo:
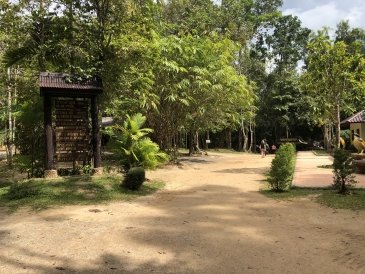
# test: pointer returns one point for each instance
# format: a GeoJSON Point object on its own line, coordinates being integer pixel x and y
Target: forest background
{"type": "Point", "coordinates": [231, 72]}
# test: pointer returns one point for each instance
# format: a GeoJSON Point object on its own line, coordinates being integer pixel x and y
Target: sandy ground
{"type": "Point", "coordinates": [308, 172]}
{"type": "Point", "coordinates": [209, 219]}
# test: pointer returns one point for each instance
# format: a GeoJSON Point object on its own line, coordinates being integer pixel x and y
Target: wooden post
{"type": "Point", "coordinates": [49, 172]}
{"type": "Point", "coordinates": [96, 139]}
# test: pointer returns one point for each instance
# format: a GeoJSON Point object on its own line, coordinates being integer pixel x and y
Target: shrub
{"type": "Point", "coordinates": [132, 146]}
{"type": "Point", "coordinates": [86, 169]}
{"type": "Point", "coordinates": [282, 168]}
{"type": "Point", "coordinates": [343, 168]}
{"type": "Point", "coordinates": [134, 178]}
{"type": "Point", "coordinates": [30, 165]}
{"type": "Point", "coordinates": [69, 171]}
{"type": "Point", "coordinates": [29, 138]}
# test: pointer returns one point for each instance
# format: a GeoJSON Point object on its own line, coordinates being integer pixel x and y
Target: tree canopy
{"type": "Point", "coordinates": [188, 66]}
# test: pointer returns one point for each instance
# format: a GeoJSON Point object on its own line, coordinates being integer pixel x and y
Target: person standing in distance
{"type": "Point", "coordinates": [263, 147]}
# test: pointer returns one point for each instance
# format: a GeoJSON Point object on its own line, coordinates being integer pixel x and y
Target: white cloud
{"type": "Point", "coordinates": [356, 16]}
{"type": "Point", "coordinates": [330, 14]}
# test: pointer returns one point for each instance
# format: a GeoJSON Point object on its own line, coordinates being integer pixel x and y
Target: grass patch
{"type": "Point", "coordinates": [325, 196]}
{"type": "Point", "coordinates": [41, 193]}
{"type": "Point", "coordinates": [355, 200]}
{"type": "Point", "coordinates": [295, 192]}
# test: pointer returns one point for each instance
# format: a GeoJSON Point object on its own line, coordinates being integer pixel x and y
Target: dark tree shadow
{"type": "Point", "coordinates": [245, 170]}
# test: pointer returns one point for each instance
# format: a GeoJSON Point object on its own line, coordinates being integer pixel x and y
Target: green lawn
{"type": "Point", "coordinates": [41, 193]}
{"type": "Point", "coordinates": [328, 197]}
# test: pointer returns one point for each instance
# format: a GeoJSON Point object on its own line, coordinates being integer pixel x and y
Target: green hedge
{"type": "Point", "coordinates": [282, 168]}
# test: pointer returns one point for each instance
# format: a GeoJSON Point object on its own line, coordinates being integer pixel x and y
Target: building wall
{"type": "Point", "coordinates": [358, 128]}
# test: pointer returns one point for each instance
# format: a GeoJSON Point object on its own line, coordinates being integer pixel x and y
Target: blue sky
{"type": "Point", "coordinates": [315, 14]}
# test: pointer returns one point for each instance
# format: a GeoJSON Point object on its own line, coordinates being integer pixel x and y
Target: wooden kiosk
{"type": "Point", "coordinates": [69, 139]}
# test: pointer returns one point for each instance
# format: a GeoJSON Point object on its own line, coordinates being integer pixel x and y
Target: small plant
{"type": "Point", "coordinates": [134, 178]}
{"type": "Point", "coordinates": [282, 168]}
{"type": "Point", "coordinates": [343, 170]}
{"type": "Point", "coordinates": [133, 147]}
{"type": "Point", "coordinates": [25, 164]}
{"type": "Point", "coordinates": [86, 169]}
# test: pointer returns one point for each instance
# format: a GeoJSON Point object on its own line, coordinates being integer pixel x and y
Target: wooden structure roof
{"type": "Point", "coordinates": [356, 118]}
{"type": "Point", "coordinates": [61, 84]}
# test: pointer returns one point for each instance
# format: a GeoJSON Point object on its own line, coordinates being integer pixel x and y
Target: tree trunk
{"type": "Point", "coordinates": [96, 137]}
{"type": "Point", "coordinates": [9, 140]}
{"type": "Point", "coordinates": [251, 137]}
{"type": "Point", "coordinates": [228, 138]}
{"type": "Point", "coordinates": [197, 142]}
{"type": "Point", "coordinates": [207, 141]}
{"type": "Point", "coordinates": [276, 133]}
{"type": "Point", "coordinates": [240, 141]}
{"type": "Point", "coordinates": [47, 101]}
{"type": "Point", "coordinates": [245, 139]}
{"type": "Point", "coordinates": [191, 142]}
{"type": "Point", "coordinates": [338, 125]}
{"type": "Point", "coordinates": [327, 136]}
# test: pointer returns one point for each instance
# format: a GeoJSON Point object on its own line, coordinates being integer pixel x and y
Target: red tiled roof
{"type": "Point", "coordinates": [356, 118]}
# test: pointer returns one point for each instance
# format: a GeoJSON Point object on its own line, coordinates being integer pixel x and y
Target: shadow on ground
{"type": "Point", "coordinates": [206, 229]}
{"type": "Point", "coordinates": [246, 170]}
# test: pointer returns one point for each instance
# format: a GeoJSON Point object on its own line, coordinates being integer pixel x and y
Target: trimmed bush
{"type": "Point", "coordinates": [134, 178]}
{"type": "Point", "coordinates": [282, 168]}
{"type": "Point", "coordinates": [343, 168]}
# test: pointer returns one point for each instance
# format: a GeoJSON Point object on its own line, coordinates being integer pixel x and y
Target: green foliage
{"type": "Point", "coordinates": [41, 193]}
{"type": "Point", "coordinates": [282, 168]}
{"type": "Point", "coordinates": [19, 191]}
{"type": "Point", "coordinates": [29, 165]}
{"type": "Point", "coordinates": [78, 170]}
{"type": "Point", "coordinates": [324, 196]}
{"type": "Point", "coordinates": [134, 178]}
{"type": "Point", "coordinates": [286, 45]}
{"type": "Point", "coordinates": [279, 106]}
{"type": "Point", "coordinates": [351, 36]}
{"type": "Point", "coordinates": [133, 146]}
{"type": "Point", "coordinates": [295, 192]}
{"type": "Point", "coordinates": [343, 170]}
{"type": "Point", "coordinates": [86, 169]}
{"type": "Point", "coordinates": [333, 80]}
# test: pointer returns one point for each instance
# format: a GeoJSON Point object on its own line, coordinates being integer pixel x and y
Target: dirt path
{"type": "Point", "coordinates": [209, 219]}
{"type": "Point", "coordinates": [309, 171]}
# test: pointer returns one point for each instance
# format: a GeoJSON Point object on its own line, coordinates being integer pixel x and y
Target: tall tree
{"type": "Point", "coordinates": [335, 76]}
{"type": "Point", "coordinates": [283, 46]}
